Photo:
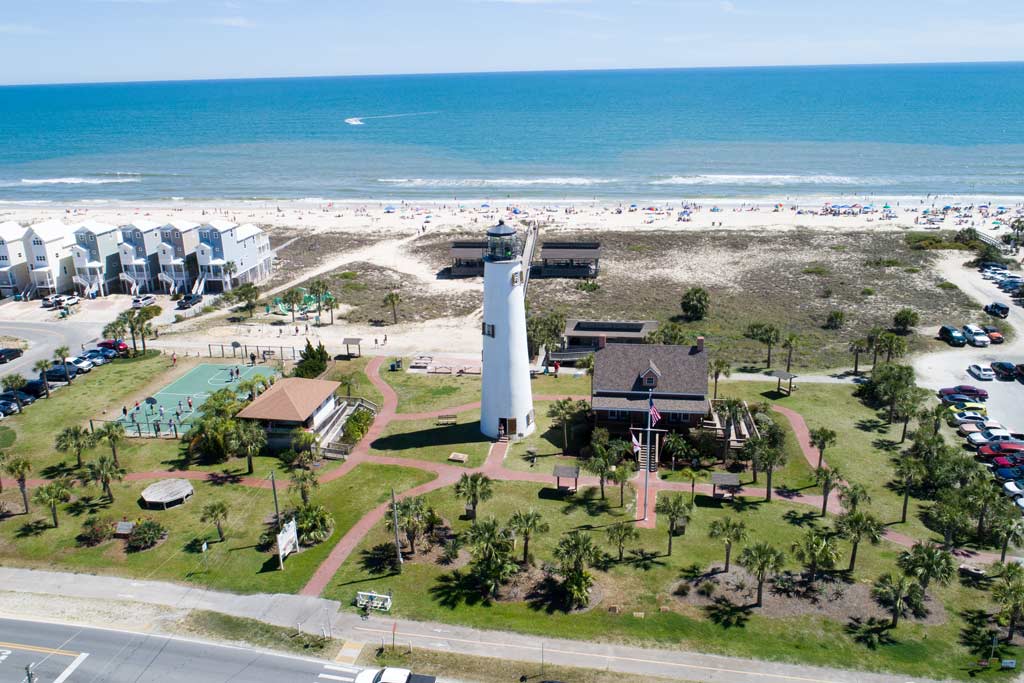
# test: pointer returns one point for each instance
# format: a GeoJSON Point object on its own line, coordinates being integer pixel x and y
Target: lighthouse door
{"type": "Point", "coordinates": [510, 427]}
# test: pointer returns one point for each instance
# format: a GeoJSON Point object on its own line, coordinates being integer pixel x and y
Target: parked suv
{"type": "Point", "coordinates": [190, 300]}
{"type": "Point", "coordinates": [976, 336]}
{"type": "Point", "coordinates": [997, 309]}
{"type": "Point", "coordinates": [117, 345]}
{"type": "Point", "coordinates": [952, 336]}
{"type": "Point", "coordinates": [149, 300]}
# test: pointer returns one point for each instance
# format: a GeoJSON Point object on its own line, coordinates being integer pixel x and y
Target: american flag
{"type": "Point", "coordinates": [655, 415]}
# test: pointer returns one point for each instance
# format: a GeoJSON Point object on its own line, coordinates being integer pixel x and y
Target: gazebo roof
{"type": "Point", "coordinates": [167, 491]}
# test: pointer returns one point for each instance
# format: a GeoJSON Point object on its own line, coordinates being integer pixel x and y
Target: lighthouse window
{"type": "Point", "coordinates": [488, 330]}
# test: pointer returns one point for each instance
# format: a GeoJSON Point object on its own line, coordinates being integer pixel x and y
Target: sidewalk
{"type": "Point", "coordinates": [319, 616]}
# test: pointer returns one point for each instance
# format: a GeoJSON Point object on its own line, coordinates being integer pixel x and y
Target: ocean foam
{"type": "Point", "coordinates": [495, 182]}
{"type": "Point", "coordinates": [82, 181]}
{"type": "Point", "coordinates": [763, 179]}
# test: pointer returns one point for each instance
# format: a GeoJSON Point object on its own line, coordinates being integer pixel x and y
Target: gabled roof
{"type": "Point", "coordinates": [95, 227]}
{"type": "Point", "coordinates": [246, 231]}
{"type": "Point", "coordinates": [182, 226]}
{"type": "Point", "coordinates": [51, 230]}
{"type": "Point", "coordinates": [652, 369]}
{"type": "Point", "coordinates": [142, 225]}
{"type": "Point", "coordinates": [292, 399]}
{"type": "Point", "coordinates": [11, 231]}
{"type": "Point", "coordinates": [220, 225]}
{"type": "Point", "coordinates": [683, 369]}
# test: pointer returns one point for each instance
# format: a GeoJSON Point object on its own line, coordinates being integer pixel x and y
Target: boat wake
{"type": "Point", "coordinates": [359, 120]}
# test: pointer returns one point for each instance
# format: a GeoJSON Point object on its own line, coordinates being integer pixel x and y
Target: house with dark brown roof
{"type": "Point", "coordinates": [625, 375]}
{"type": "Point", "coordinates": [293, 402]}
{"type": "Point", "coordinates": [583, 337]}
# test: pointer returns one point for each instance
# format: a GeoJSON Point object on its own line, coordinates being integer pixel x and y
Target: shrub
{"type": "Point", "coordinates": [948, 286]}
{"type": "Point", "coordinates": [927, 240]}
{"type": "Point", "coordinates": [587, 286]}
{"type": "Point", "coordinates": [683, 589]}
{"type": "Point", "coordinates": [883, 263]}
{"type": "Point", "coordinates": [835, 320]}
{"type": "Point", "coordinates": [867, 291]}
{"type": "Point", "coordinates": [451, 551]}
{"type": "Point", "coordinates": [349, 275]}
{"type": "Point", "coordinates": [707, 589]}
{"type": "Point", "coordinates": [816, 269]}
{"type": "Point", "coordinates": [695, 303]}
{"type": "Point", "coordinates": [905, 319]}
{"type": "Point", "coordinates": [357, 425]}
{"type": "Point", "coordinates": [314, 524]}
{"type": "Point", "coordinates": [178, 318]}
{"type": "Point", "coordinates": [313, 361]}
{"type": "Point", "coordinates": [96, 530]}
{"type": "Point", "coordinates": [176, 296]}
{"type": "Point", "coordinates": [826, 293]}
{"type": "Point", "coordinates": [912, 270]}
{"type": "Point", "coordinates": [145, 535]}
{"type": "Point", "coordinates": [209, 309]}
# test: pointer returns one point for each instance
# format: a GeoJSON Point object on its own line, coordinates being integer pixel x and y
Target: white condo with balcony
{"type": "Point", "coordinates": [230, 254]}
{"type": "Point", "coordinates": [14, 277]}
{"type": "Point", "coordinates": [176, 256]}
{"type": "Point", "coordinates": [96, 252]}
{"type": "Point", "coordinates": [140, 256]}
{"type": "Point", "coordinates": [51, 265]}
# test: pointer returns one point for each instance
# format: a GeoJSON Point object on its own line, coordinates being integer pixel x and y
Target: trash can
{"type": "Point", "coordinates": [394, 367]}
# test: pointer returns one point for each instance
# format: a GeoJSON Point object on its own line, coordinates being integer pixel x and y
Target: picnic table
{"type": "Point", "coordinates": [446, 420]}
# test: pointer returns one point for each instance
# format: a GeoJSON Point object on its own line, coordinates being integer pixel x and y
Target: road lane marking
{"type": "Point", "coordinates": [346, 669]}
{"type": "Point", "coordinates": [36, 648]}
{"type": "Point", "coordinates": [71, 668]}
{"type": "Point", "coordinates": [347, 679]}
{"type": "Point", "coordinates": [638, 660]}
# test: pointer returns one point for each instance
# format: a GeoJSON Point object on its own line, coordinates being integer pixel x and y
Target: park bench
{"type": "Point", "coordinates": [377, 601]}
{"type": "Point", "coordinates": [458, 457]}
{"type": "Point", "coordinates": [446, 420]}
{"type": "Point", "coordinates": [439, 370]}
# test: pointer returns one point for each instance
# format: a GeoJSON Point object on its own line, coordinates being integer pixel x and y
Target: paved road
{"type": "Point", "coordinates": [43, 338]}
{"type": "Point", "coordinates": [71, 654]}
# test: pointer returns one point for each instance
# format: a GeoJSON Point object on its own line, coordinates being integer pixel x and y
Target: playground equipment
{"type": "Point", "coordinates": [309, 303]}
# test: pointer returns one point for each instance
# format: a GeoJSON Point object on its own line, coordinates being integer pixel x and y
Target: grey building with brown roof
{"type": "Point", "coordinates": [625, 375]}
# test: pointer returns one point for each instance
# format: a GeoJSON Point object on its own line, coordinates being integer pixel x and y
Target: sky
{"type": "Point", "coordinates": [66, 41]}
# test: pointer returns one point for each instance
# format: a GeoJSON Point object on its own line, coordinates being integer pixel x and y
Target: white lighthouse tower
{"type": "Point", "coordinates": [506, 407]}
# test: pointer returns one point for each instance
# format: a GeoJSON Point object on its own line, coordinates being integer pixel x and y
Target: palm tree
{"type": "Point", "coordinates": [318, 289]}
{"type": "Point", "coordinates": [474, 488]}
{"type": "Point", "coordinates": [827, 478]}
{"type": "Point", "coordinates": [292, 299]}
{"type": "Point", "coordinates": [526, 525]}
{"type": "Point", "coordinates": [305, 482]}
{"type": "Point", "coordinates": [600, 464]}
{"type": "Point", "coordinates": [74, 439]}
{"type": "Point", "coordinates": [910, 472]}
{"type": "Point", "coordinates": [116, 328]}
{"type": "Point", "coordinates": [491, 547]}
{"type": "Point", "coordinates": [719, 367]}
{"type": "Point", "coordinates": [347, 380]}
{"type": "Point", "coordinates": [892, 345]}
{"type": "Point", "coordinates": [691, 474]}
{"type": "Point", "coordinates": [41, 366]}
{"type": "Point", "coordinates": [762, 560]}
{"type": "Point", "coordinates": [411, 514]}
{"type": "Point", "coordinates": [771, 459]}
{"type": "Point", "coordinates": [113, 433]}
{"type": "Point", "coordinates": [729, 531]}
{"type": "Point", "coordinates": [621, 475]}
{"type": "Point", "coordinates": [791, 343]}
{"type": "Point", "coordinates": [1011, 530]}
{"type": "Point", "coordinates": [392, 299]}
{"type": "Point", "coordinates": [332, 305]}
{"type": "Point", "coordinates": [217, 514]}
{"type": "Point", "coordinates": [908, 405]}
{"type": "Point", "coordinates": [20, 468]}
{"type": "Point", "coordinates": [576, 551]}
{"type": "Point", "coordinates": [677, 510]}
{"type": "Point", "coordinates": [620, 534]}
{"type": "Point", "coordinates": [104, 471]}
{"type": "Point", "coordinates": [927, 562]}
{"type": "Point", "coordinates": [677, 447]}
{"type": "Point", "coordinates": [3, 467]}
{"type": "Point", "coordinates": [857, 347]}
{"type": "Point", "coordinates": [695, 303]}
{"type": "Point", "coordinates": [936, 414]}
{"type": "Point", "coordinates": [251, 439]}
{"type": "Point", "coordinates": [1009, 594]}
{"type": "Point", "coordinates": [729, 410]}
{"type": "Point", "coordinates": [815, 550]}
{"type": "Point", "coordinates": [852, 496]}
{"type": "Point", "coordinates": [14, 383]}
{"type": "Point", "coordinates": [60, 355]}
{"type": "Point", "coordinates": [53, 494]}
{"type": "Point", "coordinates": [563, 411]}
{"type": "Point", "coordinates": [857, 526]}
{"type": "Point", "coordinates": [822, 438]}
{"type": "Point", "coordinates": [897, 593]}
{"type": "Point", "coordinates": [229, 269]}
{"type": "Point", "coordinates": [873, 335]}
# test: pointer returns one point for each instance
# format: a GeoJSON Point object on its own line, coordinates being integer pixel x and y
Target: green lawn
{"type": "Point", "coordinates": [234, 565]}
{"type": "Point", "coordinates": [420, 392]}
{"type": "Point", "coordinates": [362, 385]}
{"type": "Point", "coordinates": [426, 440]}
{"type": "Point", "coordinates": [426, 590]}
{"type": "Point", "coordinates": [563, 385]}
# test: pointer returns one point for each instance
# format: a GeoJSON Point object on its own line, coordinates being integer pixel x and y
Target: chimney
{"type": "Point", "coordinates": [700, 344]}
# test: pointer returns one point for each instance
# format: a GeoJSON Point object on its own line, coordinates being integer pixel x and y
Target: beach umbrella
{"type": "Point", "coordinates": [389, 209]}
{"type": "Point", "coordinates": [485, 206]}
{"type": "Point", "coordinates": [515, 211]}
{"type": "Point", "coordinates": [886, 207]}
{"type": "Point", "coordinates": [632, 206]}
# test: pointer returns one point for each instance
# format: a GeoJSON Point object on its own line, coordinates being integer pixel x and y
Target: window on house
{"type": "Point", "coordinates": [41, 259]}
{"type": "Point", "coordinates": [38, 242]}
{"type": "Point", "coordinates": [3, 258]}
{"type": "Point", "coordinates": [649, 381]}
{"type": "Point", "coordinates": [488, 330]}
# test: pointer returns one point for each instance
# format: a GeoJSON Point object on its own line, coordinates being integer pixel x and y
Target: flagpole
{"type": "Point", "coordinates": [647, 465]}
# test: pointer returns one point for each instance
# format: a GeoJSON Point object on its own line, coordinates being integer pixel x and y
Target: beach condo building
{"type": "Point", "coordinates": [51, 265]}
{"type": "Point", "coordinates": [583, 337]}
{"type": "Point", "coordinates": [14, 277]}
{"type": "Point", "coordinates": [177, 256]}
{"type": "Point", "coordinates": [140, 256]}
{"type": "Point", "coordinates": [569, 259]}
{"type": "Point", "coordinates": [97, 257]}
{"type": "Point", "coordinates": [230, 253]}
{"type": "Point", "coordinates": [627, 375]}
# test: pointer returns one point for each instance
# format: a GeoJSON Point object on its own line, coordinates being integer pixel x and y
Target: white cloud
{"type": "Point", "coordinates": [536, 2]}
{"type": "Point", "coordinates": [727, 6]}
{"type": "Point", "coordinates": [231, 22]}
{"type": "Point", "coordinates": [19, 30]}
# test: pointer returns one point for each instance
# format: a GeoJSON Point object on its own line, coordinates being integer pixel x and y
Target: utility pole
{"type": "Point", "coordinates": [277, 519]}
{"type": "Point", "coordinates": [394, 523]}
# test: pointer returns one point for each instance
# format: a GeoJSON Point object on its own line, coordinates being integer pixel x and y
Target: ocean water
{"type": "Point", "coordinates": [883, 131]}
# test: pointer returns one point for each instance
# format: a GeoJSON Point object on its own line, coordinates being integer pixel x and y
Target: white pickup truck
{"type": "Point", "coordinates": [391, 674]}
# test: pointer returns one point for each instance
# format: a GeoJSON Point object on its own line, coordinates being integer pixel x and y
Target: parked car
{"type": "Point", "coordinates": [117, 345]}
{"type": "Point", "coordinates": [952, 336]}
{"type": "Point", "coordinates": [975, 335]}
{"type": "Point", "coordinates": [60, 373]}
{"type": "Point", "coordinates": [149, 300]}
{"type": "Point", "coordinates": [952, 399]}
{"type": "Point", "coordinates": [81, 363]}
{"type": "Point", "coordinates": [189, 300]}
{"type": "Point", "coordinates": [967, 416]}
{"type": "Point", "coordinates": [1006, 461]}
{"type": "Point", "coordinates": [972, 427]}
{"type": "Point", "coordinates": [1020, 371]}
{"type": "Point", "coordinates": [14, 396]}
{"type": "Point", "coordinates": [52, 300]}
{"type": "Point", "coordinates": [977, 393]}
{"type": "Point", "coordinates": [35, 387]}
{"type": "Point", "coordinates": [7, 355]}
{"type": "Point", "coordinates": [994, 335]}
{"type": "Point", "coordinates": [981, 372]}
{"type": "Point", "coordinates": [1004, 370]}
{"type": "Point", "coordinates": [8, 408]}
{"type": "Point", "coordinates": [998, 449]}
{"type": "Point", "coordinates": [989, 436]}
{"type": "Point", "coordinates": [997, 309]}
{"type": "Point", "coordinates": [395, 675]}
{"type": "Point", "coordinates": [969, 407]}
{"type": "Point", "coordinates": [96, 356]}
{"type": "Point", "coordinates": [1013, 488]}
{"type": "Point", "coordinates": [110, 354]}
{"type": "Point", "coordinates": [1009, 473]}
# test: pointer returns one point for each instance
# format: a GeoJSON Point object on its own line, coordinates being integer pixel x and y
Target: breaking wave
{"type": "Point", "coordinates": [764, 179]}
{"type": "Point", "coordinates": [495, 182]}
{"type": "Point", "coordinates": [73, 180]}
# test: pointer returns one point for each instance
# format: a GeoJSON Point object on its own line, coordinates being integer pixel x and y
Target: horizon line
{"type": "Point", "coordinates": [504, 71]}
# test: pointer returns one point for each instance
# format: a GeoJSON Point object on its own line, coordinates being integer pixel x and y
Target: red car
{"type": "Point", "coordinates": [967, 390]}
{"type": "Point", "coordinates": [1001, 449]}
{"type": "Point", "coordinates": [114, 345]}
{"type": "Point", "coordinates": [1003, 461]}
